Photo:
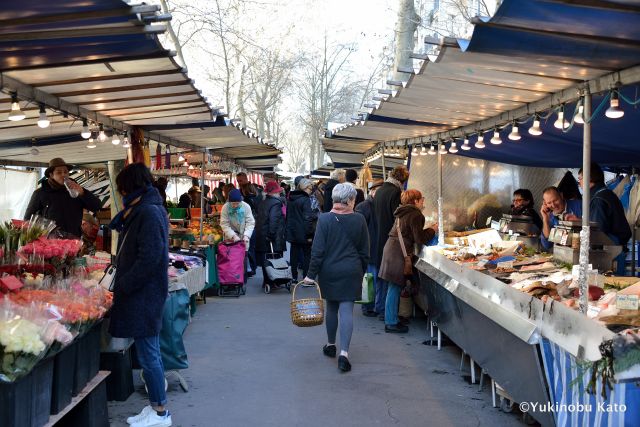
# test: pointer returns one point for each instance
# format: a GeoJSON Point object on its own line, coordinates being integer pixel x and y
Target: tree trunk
{"type": "Point", "coordinates": [406, 26]}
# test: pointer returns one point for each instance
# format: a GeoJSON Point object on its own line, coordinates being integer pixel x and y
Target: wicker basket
{"type": "Point", "coordinates": [307, 311]}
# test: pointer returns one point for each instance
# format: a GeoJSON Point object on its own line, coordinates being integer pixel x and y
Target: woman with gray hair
{"type": "Point", "coordinates": [301, 225]}
{"type": "Point", "coordinates": [339, 258]}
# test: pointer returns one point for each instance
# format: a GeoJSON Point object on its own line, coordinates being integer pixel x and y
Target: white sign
{"type": "Point", "coordinates": [627, 302]}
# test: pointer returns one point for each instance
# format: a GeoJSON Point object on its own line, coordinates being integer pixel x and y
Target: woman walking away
{"type": "Point", "coordinates": [237, 222]}
{"type": "Point", "coordinates": [141, 283]}
{"type": "Point", "coordinates": [270, 227]}
{"type": "Point", "coordinates": [301, 224]}
{"type": "Point", "coordinates": [339, 258]}
{"type": "Point", "coordinates": [411, 222]}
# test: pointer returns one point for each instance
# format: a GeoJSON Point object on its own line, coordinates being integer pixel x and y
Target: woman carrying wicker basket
{"type": "Point", "coordinates": [339, 258]}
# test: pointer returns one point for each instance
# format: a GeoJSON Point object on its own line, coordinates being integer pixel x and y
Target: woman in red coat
{"type": "Point", "coordinates": [409, 216]}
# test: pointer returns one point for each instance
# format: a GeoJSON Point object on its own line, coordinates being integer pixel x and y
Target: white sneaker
{"type": "Point", "coordinates": [141, 415]}
{"type": "Point", "coordinates": [152, 419]}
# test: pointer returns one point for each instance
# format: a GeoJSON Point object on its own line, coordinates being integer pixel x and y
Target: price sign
{"type": "Point", "coordinates": [505, 264]}
{"type": "Point", "coordinates": [627, 302]}
{"type": "Point", "coordinates": [564, 238]}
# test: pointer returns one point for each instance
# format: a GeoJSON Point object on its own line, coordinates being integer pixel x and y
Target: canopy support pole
{"type": "Point", "coordinates": [384, 169]}
{"type": "Point", "coordinates": [585, 234]}
{"type": "Point", "coordinates": [440, 213]}
{"type": "Point", "coordinates": [204, 158]}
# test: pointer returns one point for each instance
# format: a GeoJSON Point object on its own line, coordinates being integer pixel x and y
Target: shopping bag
{"type": "Point", "coordinates": [368, 294]}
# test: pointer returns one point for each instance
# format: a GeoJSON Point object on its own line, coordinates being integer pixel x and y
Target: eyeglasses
{"type": "Point", "coordinates": [519, 200]}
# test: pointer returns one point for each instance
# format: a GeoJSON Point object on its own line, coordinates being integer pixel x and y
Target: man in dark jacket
{"type": "Point", "coordinates": [384, 206]}
{"type": "Point", "coordinates": [337, 177]}
{"type": "Point", "coordinates": [366, 210]}
{"type": "Point", "coordinates": [351, 176]}
{"type": "Point", "coordinates": [53, 201]}
{"type": "Point", "coordinates": [270, 226]}
{"type": "Point", "coordinates": [607, 211]}
{"type": "Point", "coordinates": [301, 220]}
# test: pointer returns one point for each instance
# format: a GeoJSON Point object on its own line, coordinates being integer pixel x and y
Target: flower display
{"type": "Point", "coordinates": [19, 335]}
{"type": "Point", "coordinates": [52, 248]}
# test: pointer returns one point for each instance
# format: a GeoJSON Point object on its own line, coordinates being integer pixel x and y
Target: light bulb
{"type": "Point", "coordinates": [579, 117]}
{"type": "Point", "coordinates": [423, 151]}
{"type": "Point", "coordinates": [181, 158]}
{"type": "Point", "coordinates": [480, 142]}
{"type": "Point", "coordinates": [190, 167]}
{"type": "Point", "coordinates": [102, 137]}
{"type": "Point", "coordinates": [496, 140]}
{"type": "Point", "coordinates": [126, 143]}
{"type": "Point", "coordinates": [465, 145]}
{"type": "Point", "coordinates": [414, 152]}
{"type": "Point", "coordinates": [91, 143]}
{"type": "Point", "coordinates": [454, 148]}
{"type": "Point", "coordinates": [515, 134]}
{"type": "Point", "coordinates": [432, 151]}
{"type": "Point", "coordinates": [560, 122]}
{"type": "Point", "coordinates": [16, 113]}
{"type": "Point", "coordinates": [43, 120]}
{"type": "Point", "coordinates": [86, 133]}
{"type": "Point", "coordinates": [535, 128]}
{"type": "Point", "coordinates": [115, 140]}
{"type": "Point", "coordinates": [614, 111]}
{"type": "Point", "coordinates": [185, 164]}
{"type": "Point", "coordinates": [443, 149]}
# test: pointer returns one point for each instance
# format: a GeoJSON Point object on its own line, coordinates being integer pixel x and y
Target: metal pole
{"type": "Point", "coordinates": [583, 284]}
{"type": "Point", "coordinates": [440, 213]}
{"type": "Point", "coordinates": [204, 158]}
{"type": "Point", "coordinates": [384, 169]}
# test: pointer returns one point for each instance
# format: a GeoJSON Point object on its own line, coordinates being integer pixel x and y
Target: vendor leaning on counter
{"type": "Point", "coordinates": [607, 211]}
{"type": "Point", "coordinates": [54, 199]}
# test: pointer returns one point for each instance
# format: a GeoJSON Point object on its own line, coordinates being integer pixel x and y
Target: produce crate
{"type": "Point", "coordinates": [27, 402]}
{"type": "Point", "coordinates": [64, 364]}
{"type": "Point", "coordinates": [177, 213]}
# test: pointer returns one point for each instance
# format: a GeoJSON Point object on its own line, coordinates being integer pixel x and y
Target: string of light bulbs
{"type": "Point", "coordinates": [614, 111]}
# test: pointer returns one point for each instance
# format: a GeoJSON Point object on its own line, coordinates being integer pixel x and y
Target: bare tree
{"type": "Point", "coordinates": [296, 153]}
{"type": "Point", "coordinates": [406, 25]}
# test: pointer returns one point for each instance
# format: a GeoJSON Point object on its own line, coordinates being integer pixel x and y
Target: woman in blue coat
{"type": "Point", "coordinates": [141, 282]}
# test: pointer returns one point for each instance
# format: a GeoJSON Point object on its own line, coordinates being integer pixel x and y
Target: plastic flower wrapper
{"type": "Point", "coordinates": [37, 227]}
{"type": "Point", "coordinates": [57, 252]}
{"type": "Point", "coordinates": [21, 341]}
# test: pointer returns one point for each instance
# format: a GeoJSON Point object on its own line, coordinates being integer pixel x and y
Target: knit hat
{"type": "Point", "coordinates": [296, 181]}
{"type": "Point", "coordinates": [235, 195]}
{"type": "Point", "coordinates": [272, 187]}
{"type": "Point", "coordinates": [351, 175]}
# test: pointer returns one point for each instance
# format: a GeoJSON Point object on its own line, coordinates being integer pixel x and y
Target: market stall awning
{"type": "Point", "coordinates": [101, 60]}
{"type": "Point", "coordinates": [529, 51]}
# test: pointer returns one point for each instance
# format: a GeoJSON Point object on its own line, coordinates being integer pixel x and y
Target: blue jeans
{"type": "Point", "coordinates": [381, 292]}
{"type": "Point", "coordinates": [148, 350]}
{"type": "Point", "coordinates": [371, 268]}
{"type": "Point", "coordinates": [392, 304]}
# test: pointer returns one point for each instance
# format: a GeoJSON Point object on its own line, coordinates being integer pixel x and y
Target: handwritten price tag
{"type": "Point", "coordinates": [627, 302]}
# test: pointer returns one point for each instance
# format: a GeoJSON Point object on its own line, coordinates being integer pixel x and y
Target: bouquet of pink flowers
{"type": "Point", "coordinates": [52, 248]}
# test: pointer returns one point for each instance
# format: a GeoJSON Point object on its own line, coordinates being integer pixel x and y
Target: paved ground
{"type": "Point", "coordinates": [249, 366]}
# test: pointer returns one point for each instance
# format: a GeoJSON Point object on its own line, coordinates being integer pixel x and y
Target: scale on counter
{"type": "Point", "coordinates": [519, 227]}
{"type": "Point", "coordinates": [566, 245]}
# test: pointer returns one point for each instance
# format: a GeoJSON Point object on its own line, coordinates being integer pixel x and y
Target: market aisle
{"type": "Point", "coordinates": [249, 366]}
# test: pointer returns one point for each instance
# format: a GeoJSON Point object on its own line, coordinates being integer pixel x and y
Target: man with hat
{"type": "Point", "coordinates": [365, 209]}
{"type": "Point", "coordinates": [53, 201]}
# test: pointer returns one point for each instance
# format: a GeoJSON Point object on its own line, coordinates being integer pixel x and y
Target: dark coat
{"type": "Point", "coordinates": [59, 206]}
{"type": "Point", "coordinates": [359, 196]}
{"type": "Point", "coordinates": [339, 256]}
{"type": "Point", "coordinates": [301, 219]}
{"type": "Point", "coordinates": [328, 189]}
{"type": "Point", "coordinates": [411, 226]}
{"type": "Point", "coordinates": [270, 226]}
{"type": "Point", "coordinates": [606, 210]}
{"type": "Point", "coordinates": [366, 210]}
{"type": "Point", "coordinates": [385, 204]}
{"type": "Point", "coordinates": [141, 283]}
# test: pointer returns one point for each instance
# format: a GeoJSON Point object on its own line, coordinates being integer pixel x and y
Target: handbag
{"type": "Point", "coordinates": [108, 281]}
{"type": "Point", "coordinates": [407, 267]}
{"type": "Point", "coordinates": [368, 293]}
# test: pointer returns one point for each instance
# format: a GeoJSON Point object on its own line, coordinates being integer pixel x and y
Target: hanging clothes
{"type": "Point", "coordinates": [625, 198]}
{"type": "Point", "coordinates": [611, 185]}
{"type": "Point", "coordinates": [633, 212]}
{"type": "Point", "coordinates": [167, 158]}
{"type": "Point", "coordinates": [158, 162]}
{"type": "Point", "coordinates": [619, 189]}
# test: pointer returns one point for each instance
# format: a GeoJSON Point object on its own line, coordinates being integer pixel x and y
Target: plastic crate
{"type": "Point", "coordinates": [177, 213]}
